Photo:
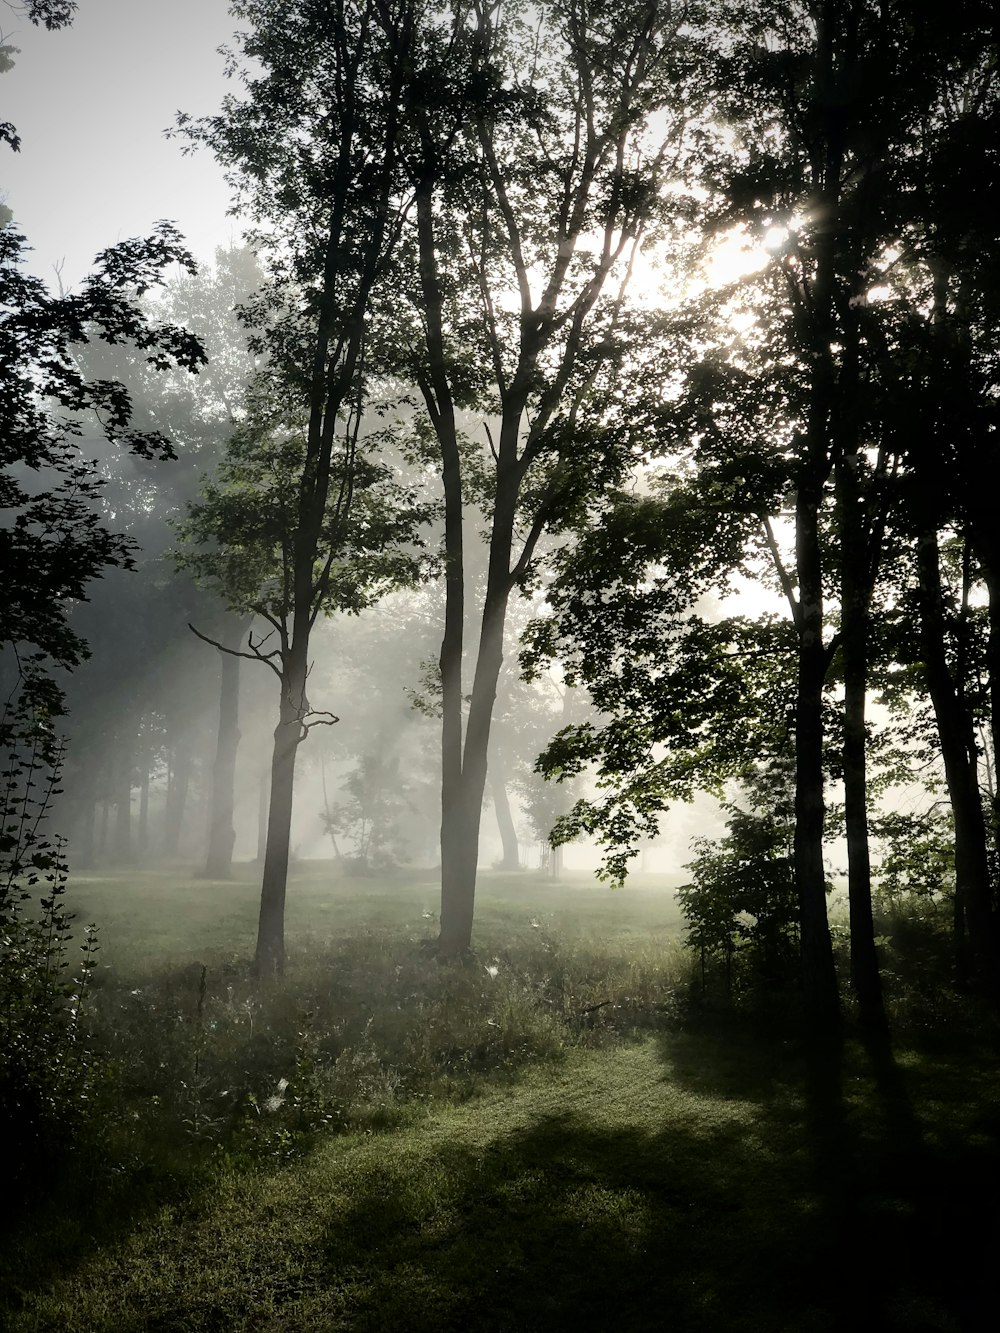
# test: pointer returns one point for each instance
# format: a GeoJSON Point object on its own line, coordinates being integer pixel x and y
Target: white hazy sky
{"type": "Point", "coordinates": [91, 104]}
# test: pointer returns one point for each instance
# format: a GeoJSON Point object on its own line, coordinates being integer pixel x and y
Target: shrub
{"type": "Point", "coordinates": [46, 1058]}
{"type": "Point", "coordinates": [741, 903]}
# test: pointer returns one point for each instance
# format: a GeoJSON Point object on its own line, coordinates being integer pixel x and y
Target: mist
{"type": "Point", "coordinates": [500, 666]}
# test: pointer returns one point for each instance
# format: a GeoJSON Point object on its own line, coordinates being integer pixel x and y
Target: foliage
{"type": "Point", "coordinates": [240, 537]}
{"type": "Point", "coordinates": [52, 541]}
{"type": "Point", "coordinates": [917, 856]}
{"type": "Point", "coordinates": [742, 895]}
{"type": "Point", "coordinates": [51, 14]}
{"type": "Point", "coordinates": [48, 1065]}
{"type": "Point", "coordinates": [685, 697]}
{"type": "Point", "coordinates": [375, 797]}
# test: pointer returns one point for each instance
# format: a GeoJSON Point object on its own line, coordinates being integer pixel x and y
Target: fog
{"type": "Point", "coordinates": [499, 665]}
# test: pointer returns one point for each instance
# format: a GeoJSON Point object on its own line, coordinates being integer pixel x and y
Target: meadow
{"type": "Point", "coordinates": [562, 1132]}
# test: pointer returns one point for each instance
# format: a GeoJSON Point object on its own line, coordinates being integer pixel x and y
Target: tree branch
{"type": "Point", "coordinates": [252, 656]}
{"type": "Point", "coordinates": [787, 587]}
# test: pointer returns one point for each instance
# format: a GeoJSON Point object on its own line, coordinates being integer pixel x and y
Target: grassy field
{"type": "Point", "coordinates": [155, 917]}
{"type": "Point", "coordinates": [551, 1136]}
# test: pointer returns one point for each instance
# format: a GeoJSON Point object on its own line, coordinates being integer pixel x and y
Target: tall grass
{"type": "Point", "coordinates": [199, 1062]}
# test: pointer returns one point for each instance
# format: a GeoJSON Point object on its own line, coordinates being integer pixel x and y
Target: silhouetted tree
{"type": "Point", "coordinates": [312, 151]}
{"type": "Point", "coordinates": [536, 168]}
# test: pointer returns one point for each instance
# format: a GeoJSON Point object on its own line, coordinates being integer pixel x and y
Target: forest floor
{"type": "Point", "coordinates": [553, 1136]}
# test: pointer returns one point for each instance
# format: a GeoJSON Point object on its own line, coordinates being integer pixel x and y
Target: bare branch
{"type": "Point", "coordinates": [252, 656]}
{"type": "Point", "coordinates": [319, 719]}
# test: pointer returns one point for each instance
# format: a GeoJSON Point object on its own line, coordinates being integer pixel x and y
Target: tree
{"type": "Point", "coordinates": [127, 713]}
{"type": "Point", "coordinates": [312, 152]}
{"type": "Point", "coordinates": [829, 107]}
{"type": "Point", "coordinates": [536, 169]}
{"type": "Point", "coordinates": [242, 539]}
{"type": "Point", "coordinates": [947, 359]}
{"type": "Point", "coordinates": [53, 543]}
{"type": "Point", "coordinates": [742, 894]}
{"type": "Point", "coordinates": [51, 14]}
{"type": "Point", "coordinates": [684, 697]}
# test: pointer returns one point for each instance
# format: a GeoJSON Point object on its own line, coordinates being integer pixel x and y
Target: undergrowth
{"type": "Point", "coordinates": [359, 1032]}
{"type": "Point", "coordinates": [209, 1086]}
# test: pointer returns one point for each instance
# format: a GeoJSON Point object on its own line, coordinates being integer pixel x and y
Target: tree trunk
{"type": "Point", "coordinates": [84, 847]}
{"type": "Point", "coordinates": [461, 824]}
{"type": "Point", "coordinates": [221, 833]}
{"type": "Point", "coordinates": [988, 553]}
{"type": "Point", "coordinates": [102, 838]}
{"type": "Point", "coordinates": [857, 576]}
{"type": "Point", "coordinates": [177, 792]}
{"type": "Point", "coordinates": [865, 979]}
{"type": "Point", "coordinates": [505, 823]}
{"type": "Point", "coordinates": [819, 978]}
{"type": "Point", "coordinates": [338, 858]}
{"type": "Point", "coordinates": [955, 733]}
{"type": "Point", "coordinates": [263, 800]}
{"type": "Point", "coordinates": [122, 848]}
{"type": "Point", "coordinates": [459, 844]}
{"type": "Point", "coordinates": [143, 832]}
{"type": "Point", "coordinates": [288, 734]}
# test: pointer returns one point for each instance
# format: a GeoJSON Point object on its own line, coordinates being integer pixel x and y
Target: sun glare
{"type": "Point", "coordinates": [735, 256]}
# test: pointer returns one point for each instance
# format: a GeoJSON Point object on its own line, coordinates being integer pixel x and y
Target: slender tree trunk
{"type": "Point", "coordinates": [505, 822]}
{"type": "Point", "coordinates": [458, 843]}
{"type": "Point", "coordinates": [460, 829]}
{"type": "Point", "coordinates": [177, 793]}
{"type": "Point", "coordinates": [856, 587]}
{"type": "Point", "coordinates": [865, 979]}
{"type": "Point", "coordinates": [221, 833]}
{"type": "Point", "coordinates": [972, 877]}
{"type": "Point", "coordinates": [124, 751]}
{"type": "Point", "coordinates": [338, 858]}
{"type": "Point", "coordinates": [819, 979]}
{"type": "Point", "coordinates": [143, 832]}
{"type": "Point", "coordinates": [102, 839]}
{"type": "Point", "coordinates": [270, 955]}
{"type": "Point", "coordinates": [83, 851]}
{"type": "Point", "coordinates": [988, 553]}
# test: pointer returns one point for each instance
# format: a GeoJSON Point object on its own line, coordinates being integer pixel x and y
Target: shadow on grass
{"type": "Point", "coordinates": [566, 1226]}
{"type": "Point", "coordinates": [900, 1167]}
{"type": "Point", "coordinates": [819, 1204]}
{"type": "Point", "coordinates": [82, 1204]}
{"type": "Point", "coordinates": [749, 1187]}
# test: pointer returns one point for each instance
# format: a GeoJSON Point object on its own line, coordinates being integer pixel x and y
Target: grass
{"type": "Point", "coordinates": [565, 1144]}
{"type": "Point", "coordinates": [151, 917]}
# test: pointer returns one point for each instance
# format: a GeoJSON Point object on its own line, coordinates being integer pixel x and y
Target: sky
{"type": "Point", "coordinates": [91, 104]}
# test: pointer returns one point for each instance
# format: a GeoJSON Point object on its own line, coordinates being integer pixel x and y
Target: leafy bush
{"type": "Point", "coordinates": [46, 1058]}
{"type": "Point", "coordinates": [741, 902]}
{"type": "Point", "coordinates": [917, 856]}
